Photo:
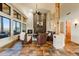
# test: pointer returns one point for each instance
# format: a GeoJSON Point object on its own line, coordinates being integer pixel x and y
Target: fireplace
{"type": "Point", "coordinates": [30, 31]}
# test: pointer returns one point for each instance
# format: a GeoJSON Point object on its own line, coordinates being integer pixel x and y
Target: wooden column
{"type": "Point", "coordinates": [57, 16]}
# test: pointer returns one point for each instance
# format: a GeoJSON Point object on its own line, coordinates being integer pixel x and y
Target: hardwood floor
{"type": "Point", "coordinates": [36, 50]}
{"type": "Point", "coordinates": [45, 50]}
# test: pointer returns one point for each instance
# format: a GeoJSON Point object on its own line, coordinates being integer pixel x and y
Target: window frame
{"type": "Point", "coordinates": [0, 23]}
{"type": "Point", "coordinates": [18, 16]}
{"type": "Point", "coordinates": [24, 19]}
{"type": "Point", "coordinates": [9, 23]}
{"type": "Point", "coordinates": [16, 27]}
{"type": "Point", "coordinates": [20, 25]}
{"type": "Point", "coordinates": [9, 13]}
{"type": "Point", "coordinates": [23, 28]}
{"type": "Point", "coordinates": [2, 26]}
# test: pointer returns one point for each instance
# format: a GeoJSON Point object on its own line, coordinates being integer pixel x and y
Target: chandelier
{"type": "Point", "coordinates": [38, 16]}
{"type": "Point", "coordinates": [37, 11]}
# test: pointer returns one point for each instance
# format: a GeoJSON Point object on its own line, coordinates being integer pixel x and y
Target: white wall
{"type": "Point", "coordinates": [30, 21]}
{"type": "Point", "coordinates": [74, 9]}
{"type": "Point", "coordinates": [49, 23]}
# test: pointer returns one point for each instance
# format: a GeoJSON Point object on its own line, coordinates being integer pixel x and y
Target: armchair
{"type": "Point", "coordinates": [41, 38]}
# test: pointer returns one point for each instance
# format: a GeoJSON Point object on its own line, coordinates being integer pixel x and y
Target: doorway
{"type": "Point", "coordinates": [68, 33]}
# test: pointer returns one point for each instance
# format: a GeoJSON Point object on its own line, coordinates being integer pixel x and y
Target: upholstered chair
{"type": "Point", "coordinates": [41, 38]}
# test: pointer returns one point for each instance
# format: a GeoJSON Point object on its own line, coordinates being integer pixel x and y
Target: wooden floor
{"type": "Point", "coordinates": [44, 50]}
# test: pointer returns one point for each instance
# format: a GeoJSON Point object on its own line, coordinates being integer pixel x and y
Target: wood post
{"type": "Point", "coordinates": [57, 16]}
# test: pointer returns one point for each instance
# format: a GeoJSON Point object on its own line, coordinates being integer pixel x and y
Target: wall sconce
{"type": "Point", "coordinates": [76, 23]}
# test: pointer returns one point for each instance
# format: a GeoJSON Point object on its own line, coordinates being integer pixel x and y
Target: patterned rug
{"type": "Point", "coordinates": [14, 51]}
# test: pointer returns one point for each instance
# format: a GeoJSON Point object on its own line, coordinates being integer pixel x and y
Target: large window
{"type": "Point", "coordinates": [17, 15]}
{"type": "Point", "coordinates": [0, 24]}
{"type": "Point", "coordinates": [24, 19]}
{"type": "Point", "coordinates": [16, 27]}
{"type": "Point", "coordinates": [5, 8]}
{"type": "Point", "coordinates": [24, 27]}
{"type": "Point", "coordinates": [4, 27]}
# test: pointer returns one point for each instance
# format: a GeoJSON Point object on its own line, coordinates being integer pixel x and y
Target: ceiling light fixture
{"type": "Point", "coordinates": [37, 11]}
{"type": "Point", "coordinates": [68, 13]}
